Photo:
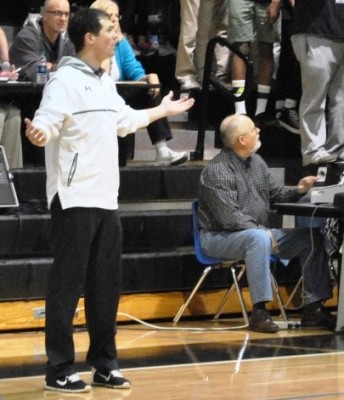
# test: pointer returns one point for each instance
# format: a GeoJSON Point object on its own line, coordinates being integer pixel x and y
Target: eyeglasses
{"type": "Point", "coordinates": [59, 14]}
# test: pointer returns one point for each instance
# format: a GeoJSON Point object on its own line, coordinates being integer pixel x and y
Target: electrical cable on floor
{"type": "Point", "coordinates": [175, 328]}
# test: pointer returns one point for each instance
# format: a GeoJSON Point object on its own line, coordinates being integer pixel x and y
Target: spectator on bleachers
{"type": "Point", "coordinates": [185, 65]}
{"type": "Point", "coordinates": [318, 42]}
{"type": "Point", "coordinates": [145, 25]}
{"type": "Point", "coordinates": [10, 119]}
{"type": "Point", "coordinates": [134, 25]}
{"type": "Point", "coordinates": [46, 35]}
{"type": "Point", "coordinates": [288, 77]}
{"type": "Point", "coordinates": [159, 24]}
{"type": "Point", "coordinates": [125, 67]}
{"type": "Point", "coordinates": [42, 35]}
{"type": "Point", "coordinates": [211, 16]}
{"type": "Point", "coordinates": [212, 22]}
{"type": "Point", "coordinates": [249, 20]}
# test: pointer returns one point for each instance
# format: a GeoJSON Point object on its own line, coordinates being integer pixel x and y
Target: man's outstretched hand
{"type": "Point", "coordinates": [175, 107]}
{"type": "Point", "coordinates": [35, 135]}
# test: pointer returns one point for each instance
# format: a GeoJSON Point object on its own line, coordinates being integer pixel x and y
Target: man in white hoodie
{"type": "Point", "coordinates": [78, 121]}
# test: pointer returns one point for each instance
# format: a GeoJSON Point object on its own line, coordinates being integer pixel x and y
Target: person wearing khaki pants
{"type": "Point", "coordinates": [10, 138]}
{"type": "Point", "coordinates": [185, 66]}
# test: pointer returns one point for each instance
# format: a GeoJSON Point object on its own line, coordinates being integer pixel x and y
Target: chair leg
{"type": "Point", "coordinates": [293, 293]}
{"type": "Point", "coordinates": [278, 297]}
{"type": "Point", "coordinates": [235, 285]}
{"type": "Point", "coordinates": [192, 294]}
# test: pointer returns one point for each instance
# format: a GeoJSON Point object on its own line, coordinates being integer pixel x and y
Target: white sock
{"type": "Point", "coordinates": [238, 88]}
{"type": "Point", "coordinates": [240, 107]}
{"type": "Point", "coordinates": [290, 103]}
{"type": "Point", "coordinates": [262, 98]}
{"type": "Point", "coordinates": [161, 146]}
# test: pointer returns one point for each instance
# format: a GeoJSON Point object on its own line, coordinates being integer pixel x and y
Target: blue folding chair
{"type": "Point", "coordinates": [237, 268]}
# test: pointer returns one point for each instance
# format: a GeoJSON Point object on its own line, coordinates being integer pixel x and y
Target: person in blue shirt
{"type": "Point", "coordinates": [125, 67]}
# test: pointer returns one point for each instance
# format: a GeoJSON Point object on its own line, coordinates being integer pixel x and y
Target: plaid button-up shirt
{"type": "Point", "coordinates": [237, 194]}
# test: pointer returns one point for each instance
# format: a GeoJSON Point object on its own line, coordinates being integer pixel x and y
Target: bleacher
{"type": "Point", "coordinates": [159, 265]}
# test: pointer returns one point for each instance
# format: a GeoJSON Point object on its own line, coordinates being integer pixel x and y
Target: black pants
{"type": "Point", "coordinates": [288, 78]}
{"type": "Point", "coordinates": [157, 131]}
{"type": "Point", "coordinates": [87, 247]}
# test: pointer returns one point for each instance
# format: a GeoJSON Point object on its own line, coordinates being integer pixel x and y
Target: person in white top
{"type": "Point", "coordinates": [79, 119]}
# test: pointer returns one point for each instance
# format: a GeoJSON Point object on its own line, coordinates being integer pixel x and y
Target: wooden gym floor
{"type": "Point", "coordinates": [187, 364]}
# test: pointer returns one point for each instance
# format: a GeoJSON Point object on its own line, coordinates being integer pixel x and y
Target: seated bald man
{"type": "Point", "coordinates": [236, 193]}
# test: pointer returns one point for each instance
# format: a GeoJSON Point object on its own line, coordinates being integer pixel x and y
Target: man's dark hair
{"type": "Point", "coordinates": [86, 20]}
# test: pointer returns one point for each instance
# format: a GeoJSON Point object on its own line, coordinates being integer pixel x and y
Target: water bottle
{"type": "Point", "coordinates": [42, 70]}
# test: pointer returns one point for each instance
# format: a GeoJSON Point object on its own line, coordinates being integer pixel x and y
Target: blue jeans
{"type": "Point", "coordinates": [254, 247]}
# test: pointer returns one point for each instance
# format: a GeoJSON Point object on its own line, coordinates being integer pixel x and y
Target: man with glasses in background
{"type": "Point", "coordinates": [46, 36]}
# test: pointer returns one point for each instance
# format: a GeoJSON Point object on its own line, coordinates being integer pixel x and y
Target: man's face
{"type": "Point", "coordinates": [56, 16]}
{"type": "Point", "coordinates": [250, 136]}
{"type": "Point", "coordinates": [104, 43]}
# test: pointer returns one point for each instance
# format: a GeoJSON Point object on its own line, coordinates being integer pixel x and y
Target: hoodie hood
{"type": "Point", "coordinates": [35, 21]}
{"type": "Point", "coordinates": [75, 62]}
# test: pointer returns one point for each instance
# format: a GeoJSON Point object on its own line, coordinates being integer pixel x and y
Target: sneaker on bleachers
{"type": "Point", "coordinates": [170, 157]}
{"type": "Point", "coordinates": [319, 157]}
{"type": "Point", "coordinates": [289, 119]}
{"type": "Point", "coordinates": [190, 84]}
{"type": "Point", "coordinates": [263, 119]}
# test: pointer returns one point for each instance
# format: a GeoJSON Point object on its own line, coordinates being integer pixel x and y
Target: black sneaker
{"type": "Point", "coordinates": [70, 384]}
{"type": "Point", "coordinates": [320, 318]}
{"type": "Point", "coordinates": [112, 379]}
{"type": "Point", "coordinates": [289, 119]}
{"type": "Point", "coordinates": [261, 321]}
{"type": "Point", "coordinates": [263, 120]}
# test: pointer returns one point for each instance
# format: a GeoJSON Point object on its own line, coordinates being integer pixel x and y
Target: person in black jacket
{"type": "Point", "coordinates": [44, 35]}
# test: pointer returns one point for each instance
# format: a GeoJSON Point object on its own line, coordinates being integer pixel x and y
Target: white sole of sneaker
{"type": "Point", "coordinates": [126, 385]}
{"type": "Point", "coordinates": [181, 160]}
{"type": "Point", "coordinates": [289, 128]}
{"type": "Point", "coordinates": [86, 389]}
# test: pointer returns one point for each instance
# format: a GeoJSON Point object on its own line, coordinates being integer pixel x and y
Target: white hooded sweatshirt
{"type": "Point", "coordinates": [82, 114]}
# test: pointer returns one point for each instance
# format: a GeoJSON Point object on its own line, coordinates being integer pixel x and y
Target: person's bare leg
{"type": "Point", "coordinates": [238, 72]}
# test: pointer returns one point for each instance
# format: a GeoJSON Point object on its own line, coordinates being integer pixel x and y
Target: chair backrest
{"type": "Point", "coordinates": [201, 257]}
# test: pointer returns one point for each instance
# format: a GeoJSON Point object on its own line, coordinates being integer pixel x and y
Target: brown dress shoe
{"type": "Point", "coordinates": [261, 321]}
